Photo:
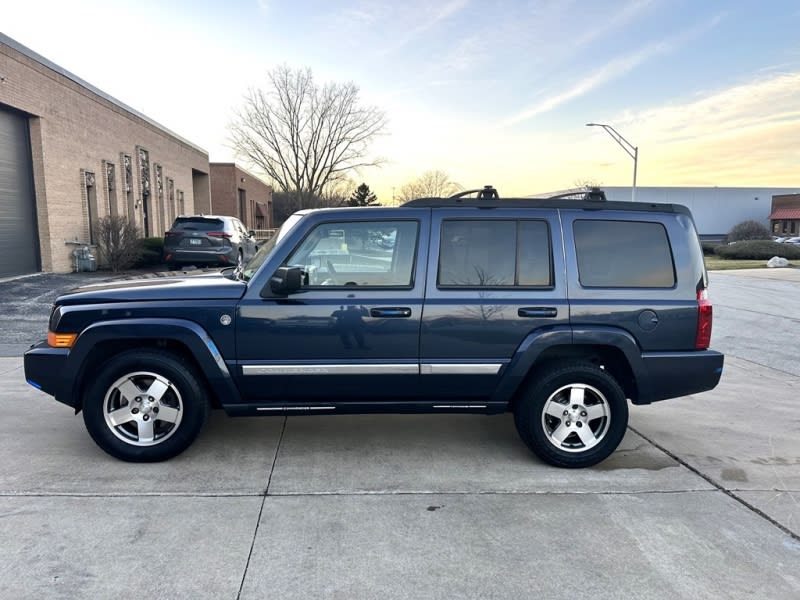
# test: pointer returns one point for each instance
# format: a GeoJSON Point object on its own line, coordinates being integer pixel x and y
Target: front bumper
{"type": "Point", "coordinates": [44, 370]}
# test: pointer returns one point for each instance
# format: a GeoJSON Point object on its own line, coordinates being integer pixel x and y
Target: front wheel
{"type": "Point", "coordinates": [572, 415]}
{"type": "Point", "coordinates": [145, 406]}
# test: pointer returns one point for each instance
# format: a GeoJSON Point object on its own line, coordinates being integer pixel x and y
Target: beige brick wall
{"type": "Point", "coordinates": [74, 130]}
{"type": "Point", "coordinates": [226, 181]}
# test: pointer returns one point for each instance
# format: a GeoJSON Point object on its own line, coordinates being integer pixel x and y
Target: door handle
{"type": "Point", "coordinates": [390, 313]}
{"type": "Point", "coordinates": [547, 312]}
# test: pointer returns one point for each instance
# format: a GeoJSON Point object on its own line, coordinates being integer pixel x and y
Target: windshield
{"type": "Point", "coordinates": [253, 265]}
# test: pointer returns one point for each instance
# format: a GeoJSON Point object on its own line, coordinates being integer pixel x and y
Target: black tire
{"type": "Point", "coordinates": [178, 396]}
{"type": "Point", "coordinates": [173, 266]}
{"type": "Point", "coordinates": [572, 415]}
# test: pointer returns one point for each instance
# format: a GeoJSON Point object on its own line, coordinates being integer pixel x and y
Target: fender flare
{"type": "Point", "coordinates": [188, 333]}
{"type": "Point", "coordinates": [532, 347]}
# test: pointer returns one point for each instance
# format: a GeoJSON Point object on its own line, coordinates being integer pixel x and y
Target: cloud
{"type": "Point", "coordinates": [746, 133]}
{"type": "Point", "coordinates": [619, 19]}
{"type": "Point", "coordinates": [433, 18]}
{"type": "Point", "coordinates": [612, 70]}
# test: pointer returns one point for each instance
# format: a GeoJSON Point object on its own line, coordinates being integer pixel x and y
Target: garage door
{"type": "Point", "coordinates": [19, 240]}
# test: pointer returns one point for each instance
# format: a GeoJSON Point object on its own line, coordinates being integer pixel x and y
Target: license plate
{"type": "Point", "coordinates": [195, 242]}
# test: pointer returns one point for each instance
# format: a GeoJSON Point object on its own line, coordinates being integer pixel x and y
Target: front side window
{"type": "Point", "coordinates": [363, 254]}
{"type": "Point", "coordinates": [631, 254]}
{"type": "Point", "coordinates": [494, 253]}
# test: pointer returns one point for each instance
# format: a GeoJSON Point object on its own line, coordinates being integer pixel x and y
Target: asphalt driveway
{"type": "Point", "coordinates": [702, 500]}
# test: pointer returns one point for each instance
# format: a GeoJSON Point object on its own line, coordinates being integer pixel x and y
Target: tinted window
{"type": "Point", "coordinates": [198, 224]}
{"type": "Point", "coordinates": [373, 254]}
{"type": "Point", "coordinates": [623, 254]}
{"type": "Point", "coordinates": [494, 253]}
{"type": "Point", "coordinates": [533, 254]}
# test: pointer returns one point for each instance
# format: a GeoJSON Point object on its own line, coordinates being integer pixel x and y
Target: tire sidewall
{"type": "Point", "coordinates": [529, 419]}
{"type": "Point", "coordinates": [169, 366]}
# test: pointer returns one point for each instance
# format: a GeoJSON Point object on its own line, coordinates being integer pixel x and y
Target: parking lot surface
{"type": "Point", "coordinates": [701, 500]}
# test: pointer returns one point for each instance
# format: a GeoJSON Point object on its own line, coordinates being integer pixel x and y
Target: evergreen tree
{"type": "Point", "coordinates": [362, 196]}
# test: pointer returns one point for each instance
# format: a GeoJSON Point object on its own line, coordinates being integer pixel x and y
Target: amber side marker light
{"type": "Point", "coordinates": [61, 340]}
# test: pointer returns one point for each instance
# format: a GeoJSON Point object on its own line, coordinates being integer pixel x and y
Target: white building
{"type": "Point", "coordinates": [716, 209]}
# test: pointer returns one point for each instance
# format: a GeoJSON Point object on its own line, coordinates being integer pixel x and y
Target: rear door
{"type": "Point", "coordinates": [499, 277]}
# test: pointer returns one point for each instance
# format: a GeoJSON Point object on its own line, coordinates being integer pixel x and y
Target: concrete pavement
{"type": "Point", "coordinates": [700, 501]}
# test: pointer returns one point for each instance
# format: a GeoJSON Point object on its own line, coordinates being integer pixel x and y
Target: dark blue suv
{"type": "Point", "coordinates": [560, 311]}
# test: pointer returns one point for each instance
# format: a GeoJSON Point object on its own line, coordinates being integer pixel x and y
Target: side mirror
{"type": "Point", "coordinates": [286, 280]}
{"type": "Point", "coordinates": [251, 233]}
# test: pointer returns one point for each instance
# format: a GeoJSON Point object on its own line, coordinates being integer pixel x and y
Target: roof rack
{"type": "Point", "coordinates": [594, 194]}
{"type": "Point", "coordinates": [486, 191]}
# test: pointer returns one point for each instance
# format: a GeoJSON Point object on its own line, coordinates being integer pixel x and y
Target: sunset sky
{"type": "Point", "coordinates": [487, 91]}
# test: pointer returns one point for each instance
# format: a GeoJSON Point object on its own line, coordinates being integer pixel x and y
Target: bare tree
{"type": "Point", "coordinates": [302, 136]}
{"type": "Point", "coordinates": [587, 183]}
{"type": "Point", "coordinates": [431, 184]}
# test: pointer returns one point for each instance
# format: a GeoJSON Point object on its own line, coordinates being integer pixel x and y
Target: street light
{"type": "Point", "coordinates": [633, 151]}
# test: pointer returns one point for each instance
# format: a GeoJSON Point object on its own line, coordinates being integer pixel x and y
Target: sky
{"type": "Point", "coordinates": [488, 91]}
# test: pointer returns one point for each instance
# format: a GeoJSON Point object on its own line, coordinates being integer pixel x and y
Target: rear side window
{"type": "Point", "coordinates": [198, 224]}
{"type": "Point", "coordinates": [629, 254]}
{"type": "Point", "coordinates": [494, 253]}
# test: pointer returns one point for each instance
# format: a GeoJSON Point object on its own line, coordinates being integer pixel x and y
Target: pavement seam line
{"type": "Point", "coordinates": [758, 364]}
{"type": "Point", "coordinates": [722, 489]}
{"type": "Point", "coordinates": [370, 493]}
{"type": "Point", "coordinates": [261, 510]}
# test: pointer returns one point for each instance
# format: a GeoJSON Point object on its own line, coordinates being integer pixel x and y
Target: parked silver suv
{"type": "Point", "coordinates": [208, 240]}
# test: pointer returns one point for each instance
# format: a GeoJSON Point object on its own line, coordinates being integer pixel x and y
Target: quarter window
{"type": "Point", "coordinates": [494, 253]}
{"type": "Point", "coordinates": [363, 254]}
{"type": "Point", "coordinates": [630, 254]}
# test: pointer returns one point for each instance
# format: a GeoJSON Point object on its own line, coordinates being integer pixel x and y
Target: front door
{"type": "Point", "coordinates": [351, 334]}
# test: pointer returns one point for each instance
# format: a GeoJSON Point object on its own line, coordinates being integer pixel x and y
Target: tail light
{"type": "Point", "coordinates": [221, 234]}
{"type": "Point", "coordinates": [704, 316]}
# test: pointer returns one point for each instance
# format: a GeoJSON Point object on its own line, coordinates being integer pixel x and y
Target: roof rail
{"type": "Point", "coordinates": [486, 191]}
{"type": "Point", "coordinates": [594, 194]}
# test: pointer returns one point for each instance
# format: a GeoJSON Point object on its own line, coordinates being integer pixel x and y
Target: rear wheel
{"type": "Point", "coordinates": [145, 406]}
{"type": "Point", "coordinates": [572, 415]}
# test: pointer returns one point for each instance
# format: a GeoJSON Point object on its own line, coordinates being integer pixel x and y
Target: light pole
{"type": "Point", "coordinates": [633, 151]}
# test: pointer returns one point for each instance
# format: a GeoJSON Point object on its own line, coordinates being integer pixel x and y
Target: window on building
{"type": "Point", "coordinates": [632, 254]}
{"type": "Point", "coordinates": [90, 194]}
{"type": "Point", "coordinates": [127, 178]}
{"type": "Point", "coordinates": [111, 187]}
{"type": "Point", "coordinates": [494, 253]}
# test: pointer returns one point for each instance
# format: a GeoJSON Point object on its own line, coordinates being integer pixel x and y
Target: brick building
{"type": "Point", "coordinates": [70, 154]}
{"type": "Point", "coordinates": [785, 215]}
{"type": "Point", "coordinates": [238, 193]}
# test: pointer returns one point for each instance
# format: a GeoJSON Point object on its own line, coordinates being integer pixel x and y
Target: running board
{"type": "Point", "coordinates": [349, 407]}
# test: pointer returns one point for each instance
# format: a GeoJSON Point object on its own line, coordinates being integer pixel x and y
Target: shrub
{"type": "Point", "coordinates": [748, 230]}
{"type": "Point", "coordinates": [117, 240]}
{"type": "Point", "coordinates": [759, 250]}
{"type": "Point", "coordinates": [709, 248]}
{"type": "Point", "coordinates": [151, 251]}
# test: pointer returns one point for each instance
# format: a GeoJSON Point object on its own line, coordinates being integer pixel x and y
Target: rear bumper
{"type": "Point", "coordinates": [211, 256]}
{"type": "Point", "coordinates": [45, 370]}
{"type": "Point", "coordinates": [675, 374]}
